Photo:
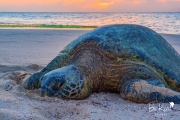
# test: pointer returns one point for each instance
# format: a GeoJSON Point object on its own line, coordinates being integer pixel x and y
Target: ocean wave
{"type": "Point", "coordinates": [160, 22]}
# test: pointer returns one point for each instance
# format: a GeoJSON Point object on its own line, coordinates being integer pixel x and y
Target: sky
{"type": "Point", "coordinates": [89, 5]}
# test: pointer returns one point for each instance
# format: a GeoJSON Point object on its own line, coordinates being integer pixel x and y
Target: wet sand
{"type": "Point", "coordinates": [25, 51]}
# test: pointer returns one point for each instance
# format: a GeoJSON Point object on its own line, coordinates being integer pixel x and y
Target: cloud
{"type": "Point", "coordinates": [162, 1]}
{"type": "Point", "coordinates": [104, 3]}
{"type": "Point", "coordinates": [91, 5]}
{"type": "Point", "coordinates": [41, 2]}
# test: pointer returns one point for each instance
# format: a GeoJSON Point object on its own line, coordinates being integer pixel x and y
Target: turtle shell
{"type": "Point", "coordinates": [134, 42]}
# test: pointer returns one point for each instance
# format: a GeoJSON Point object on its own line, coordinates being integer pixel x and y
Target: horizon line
{"type": "Point", "coordinates": [81, 12]}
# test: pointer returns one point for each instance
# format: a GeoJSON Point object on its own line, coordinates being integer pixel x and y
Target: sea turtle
{"type": "Point", "coordinates": [128, 59]}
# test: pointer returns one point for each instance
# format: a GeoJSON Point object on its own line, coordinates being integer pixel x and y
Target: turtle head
{"type": "Point", "coordinates": [52, 84]}
{"type": "Point", "coordinates": [64, 82]}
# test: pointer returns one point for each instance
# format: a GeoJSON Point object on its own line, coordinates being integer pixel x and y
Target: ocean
{"type": "Point", "coordinates": [168, 23]}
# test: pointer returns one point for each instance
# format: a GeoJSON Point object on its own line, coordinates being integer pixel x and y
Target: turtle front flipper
{"type": "Point", "coordinates": [66, 82]}
{"type": "Point", "coordinates": [34, 81]}
{"type": "Point", "coordinates": [148, 91]}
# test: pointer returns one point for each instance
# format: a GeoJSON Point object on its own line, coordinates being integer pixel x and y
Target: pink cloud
{"type": "Point", "coordinates": [91, 5]}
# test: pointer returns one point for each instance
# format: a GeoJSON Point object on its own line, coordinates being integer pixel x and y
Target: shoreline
{"type": "Point", "coordinates": [34, 28]}
{"type": "Point", "coordinates": [41, 28]}
{"type": "Point", "coordinates": [44, 26]}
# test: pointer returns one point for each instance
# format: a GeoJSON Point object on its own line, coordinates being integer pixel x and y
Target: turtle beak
{"type": "Point", "coordinates": [43, 92]}
{"type": "Point", "coordinates": [47, 92]}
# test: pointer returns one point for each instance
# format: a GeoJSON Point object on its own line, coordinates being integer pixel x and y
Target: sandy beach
{"type": "Point", "coordinates": [25, 51]}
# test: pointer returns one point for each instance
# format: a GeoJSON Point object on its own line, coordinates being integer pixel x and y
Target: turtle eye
{"type": "Point", "coordinates": [57, 86]}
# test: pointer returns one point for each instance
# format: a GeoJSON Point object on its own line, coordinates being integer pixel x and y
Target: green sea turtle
{"type": "Point", "coordinates": [131, 60]}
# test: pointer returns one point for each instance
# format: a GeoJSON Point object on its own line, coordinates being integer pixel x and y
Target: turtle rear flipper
{"type": "Point", "coordinates": [142, 91]}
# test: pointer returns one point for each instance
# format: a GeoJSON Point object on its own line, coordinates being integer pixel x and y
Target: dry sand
{"type": "Point", "coordinates": [24, 52]}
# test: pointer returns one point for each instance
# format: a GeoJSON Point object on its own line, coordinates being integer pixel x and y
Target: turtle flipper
{"type": "Point", "coordinates": [142, 91]}
{"type": "Point", "coordinates": [34, 81]}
